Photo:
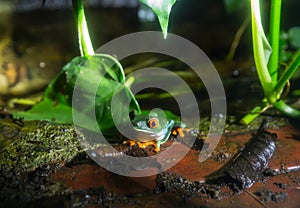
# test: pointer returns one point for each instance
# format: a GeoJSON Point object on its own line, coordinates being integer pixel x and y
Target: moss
{"type": "Point", "coordinates": [28, 154]}
{"type": "Point", "coordinates": [274, 122]}
{"type": "Point", "coordinates": [37, 144]}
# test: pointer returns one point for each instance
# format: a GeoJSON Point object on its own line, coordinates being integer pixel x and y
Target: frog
{"type": "Point", "coordinates": [154, 129]}
{"type": "Point", "coordinates": [27, 64]}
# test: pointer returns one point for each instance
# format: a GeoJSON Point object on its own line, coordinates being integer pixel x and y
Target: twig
{"type": "Point", "coordinates": [237, 39]}
{"type": "Point", "coordinates": [257, 199]}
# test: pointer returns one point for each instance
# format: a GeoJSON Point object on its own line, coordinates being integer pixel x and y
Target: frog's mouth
{"type": "Point", "coordinates": [146, 135]}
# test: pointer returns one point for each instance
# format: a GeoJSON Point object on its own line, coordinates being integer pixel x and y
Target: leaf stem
{"type": "Point", "coordinates": [258, 39]}
{"type": "Point", "coordinates": [286, 109]}
{"type": "Point", "coordinates": [274, 38]}
{"type": "Point", "coordinates": [267, 69]}
{"type": "Point", "coordinates": [294, 65]}
{"type": "Point", "coordinates": [237, 38]}
{"type": "Point", "coordinates": [85, 44]}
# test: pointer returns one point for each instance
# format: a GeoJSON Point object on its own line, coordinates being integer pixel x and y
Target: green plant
{"type": "Point", "coordinates": [267, 57]}
{"type": "Point", "coordinates": [56, 105]}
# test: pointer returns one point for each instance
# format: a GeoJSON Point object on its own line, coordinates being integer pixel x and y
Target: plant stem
{"type": "Point", "coordinates": [258, 39]}
{"type": "Point", "coordinates": [237, 38]}
{"type": "Point", "coordinates": [274, 38]}
{"type": "Point", "coordinates": [268, 71]}
{"type": "Point", "coordinates": [294, 65]}
{"type": "Point", "coordinates": [286, 109]}
{"type": "Point", "coordinates": [85, 44]}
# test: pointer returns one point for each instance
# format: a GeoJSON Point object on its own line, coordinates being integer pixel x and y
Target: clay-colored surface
{"type": "Point", "coordinates": [263, 193]}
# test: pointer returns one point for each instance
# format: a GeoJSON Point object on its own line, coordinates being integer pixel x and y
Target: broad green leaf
{"type": "Point", "coordinates": [294, 36]}
{"type": "Point", "coordinates": [169, 115]}
{"type": "Point", "coordinates": [96, 82]}
{"type": "Point", "coordinates": [58, 113]}
{"type": "Point", "coordinates": [48, 110]}
{"type": "Point", "coordinates": [162, 9]}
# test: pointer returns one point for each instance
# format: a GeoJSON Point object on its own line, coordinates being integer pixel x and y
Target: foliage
{"type": "Point", "coordinates": [269, 52]}
{"type": "Point", "coordinates": [267, 56]}
{"type": "Point", "coordinates": [162, 9]}
{"type": "Point", "coordinates": [96, 70]}
{"type": "Point", "coordinates": [100, 70]}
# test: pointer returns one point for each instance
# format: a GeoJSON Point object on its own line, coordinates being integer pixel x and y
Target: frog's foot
{"type": "Point", "coordinates": [129, 142]}
{"type": "Point", "coordinates": [179, 131]}
{"type": "Point", "coordinates": [144, 145]}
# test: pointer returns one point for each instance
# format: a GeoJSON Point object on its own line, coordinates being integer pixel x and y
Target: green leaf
{"type": "Point", "coordinates": [169, 115]}
{"type": "Point", "coordinates": [48, 110]}
{"type": "Point", "coordinates": [247, 119]}
{"type": "Point", "coordinates": [96, 79]}
{"type": "Point", "coordinates": [294, 35]}
{"type": "Point", "coordinates": [162, 9]}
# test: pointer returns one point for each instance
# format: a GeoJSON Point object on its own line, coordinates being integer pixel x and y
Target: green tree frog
{"type": "Point", "coordinates": [154, 129]}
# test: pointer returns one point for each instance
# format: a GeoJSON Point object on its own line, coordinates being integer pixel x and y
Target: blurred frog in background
{"type": "Point", "coordinates": [27, 63]}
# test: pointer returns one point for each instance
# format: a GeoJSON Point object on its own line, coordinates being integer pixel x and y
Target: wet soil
{"type": "Point", "coordinates": [73, 179]}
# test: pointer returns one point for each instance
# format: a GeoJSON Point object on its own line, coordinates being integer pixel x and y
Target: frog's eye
{"type": "Point", "coordinates": [153, 123]}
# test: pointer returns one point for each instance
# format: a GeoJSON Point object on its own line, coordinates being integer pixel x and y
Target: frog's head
{"type": "Point", "coordinates": [152, 126]}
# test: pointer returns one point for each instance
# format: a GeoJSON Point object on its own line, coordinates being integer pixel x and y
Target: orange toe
{"type": "Point", "coordinates": [129, 142]}
{"type": "Point", "coordinates": [180, 131]}
{"type": "Point", "coordinates": [143, 145]}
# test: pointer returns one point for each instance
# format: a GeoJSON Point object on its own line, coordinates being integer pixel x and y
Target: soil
{"type": "Point", "coordinates": [73, 179]}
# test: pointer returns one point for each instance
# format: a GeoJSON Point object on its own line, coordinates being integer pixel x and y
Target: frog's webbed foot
{"type": "Point", "coordinates": [155, 144]}
{"type": "Point", "coordinates": [179, 131]}
{"type": "Point", "coordinates": [182, 133]}
{"type": "Point", "coordinates": [144, 145]}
